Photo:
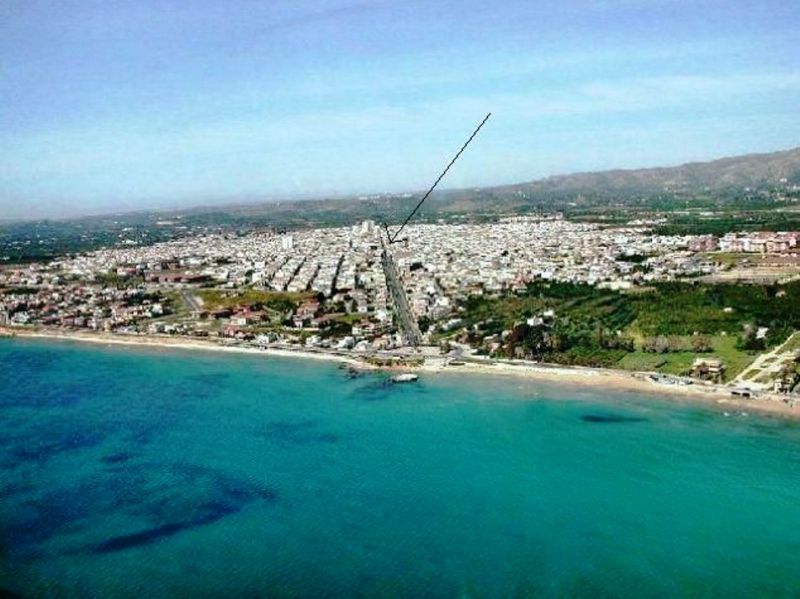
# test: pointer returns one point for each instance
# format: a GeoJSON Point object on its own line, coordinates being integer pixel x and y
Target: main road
{"type": "Point", "coordinates": [408, 324]}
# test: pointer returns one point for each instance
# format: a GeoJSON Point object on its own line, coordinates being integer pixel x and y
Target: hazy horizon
{"type": "Point", "coordinates": [232, 202]}
{"type": "Point", "coordinates": [120, 108]}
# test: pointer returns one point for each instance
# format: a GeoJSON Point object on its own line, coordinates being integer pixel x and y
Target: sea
{"type": "Point", "coordinates": [132, 471]}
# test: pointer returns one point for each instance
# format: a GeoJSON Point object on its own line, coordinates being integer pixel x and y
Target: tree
{"type": "Point", "coordinates": [674, 344]}
{"type": "Point", "coordinates": [701, 343]}
{"type": "Point", "coordinates": [424, 323]}
{"type": "Point", "coordinates": [658, 345]}
{"type": "Point", "coordinates": [748, 339]}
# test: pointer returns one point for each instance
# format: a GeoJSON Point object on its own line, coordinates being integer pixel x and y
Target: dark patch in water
{"type": "Point", "coordinates": [375, 390]}
{"type": "Point", "coordinates": [353, 373]}
{"type": "Point", "coordinates": [167, 498]}
{"type": "Point", "coordinates": [41, 443]}
{"type": "Point", "coordinates": [288, 429]}
{"type": "Point", "coordinates": [214, 379]}
{"type": "Point", "coordinates": [34, 360]}
{"type": "Point", "coordinates": [45, 448]}
{"type": "Point", "coordinates": [145, 537]}
{"type": "Point", "coordinates": [209, 513]}
{"type": "Point", "coordinates": [117, 458]}
{"type": "Point", "coordinates": [228, 496]}
{"type": "Point", "coordinates": [7, 440]}
{"type": "Point", "coordinates": [15, 489]}
{"type": "Point", "coordinates": [302, 432]}
{"type": "Point", "coordinates": [36, 521]}
{"type": "Point", "coordinates": [68, 509]}
{"type": "Point", "coordinates": [243, 492]}
{"type": "Point", "coordinates": [55, 396]}
{"type": "Point", "coordinates": [142, 436]}
{"type": "Point", "coordinates": [211, 490]}
{"type": "Point", "coordinates": [606, 419]}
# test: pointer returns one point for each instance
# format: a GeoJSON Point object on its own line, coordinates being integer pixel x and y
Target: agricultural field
{"type": "Point", "coordinates": [680, 362]}
{"type": "Point", "coordinates": [663, 327]}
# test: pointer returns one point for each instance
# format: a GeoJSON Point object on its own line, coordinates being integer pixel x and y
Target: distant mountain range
{"type": "Point", "coordinates": [726, 178]}
{"type": "Point", "coordinates": [716, 183]}
{"type": "Point", "coordinates": [725, 174]}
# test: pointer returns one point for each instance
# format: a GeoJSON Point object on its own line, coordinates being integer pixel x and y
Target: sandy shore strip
{"type": "Point", "coordinates": [621, 380]}
{"type": "Point", "coordinates": [159, 341]}
{"type": "Point", "coordinates": [617, 380]}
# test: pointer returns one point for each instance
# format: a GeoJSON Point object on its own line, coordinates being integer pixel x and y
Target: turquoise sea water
{"type": "Point", "coordinates": [137, 471]}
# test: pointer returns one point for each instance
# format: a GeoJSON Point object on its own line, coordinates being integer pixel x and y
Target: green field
{"type": "Point", "coordinates": [680, 363]}
{"type": "Point", "coordinates": [663, 327]}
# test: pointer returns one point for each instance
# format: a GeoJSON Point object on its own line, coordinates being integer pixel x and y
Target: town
{"type": "Point", "coordinates": [333, 289]}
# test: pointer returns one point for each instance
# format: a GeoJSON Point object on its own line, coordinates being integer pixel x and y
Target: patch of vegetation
{"type": "Point", "coordinates": [679, 362]}
{"type": "Point", "coordinates": [639, 360]}
{"type": "Point", "coordinates": [685, 308]}
{"type": "Point", "coordinates": [633, 258]}
{"type": "Point", "coordinates": [21, 291]}
{"type": "Point", "coordinates": [750, 375]}
{"type": "Point", "coordinates": [727, 258]}
{"type": "Point", "coordinates": [45, 240]}
{"type": "Point", "coordinates": [662, 328]}
{"type": "Point", "coordinates": [279, 301]}
{"type": "Point", "coordinates": [174, 301]}
{"type": "Point", "coordinates": [768, 219]}
{"type": "Point", "coordinates": [335, 328]}
{"type": "Point", "coordinates": [351, 318]}
{"type": "Point", "coordinates": [117, 281]}
{"type": "Point", "coordinates": [735, 360]}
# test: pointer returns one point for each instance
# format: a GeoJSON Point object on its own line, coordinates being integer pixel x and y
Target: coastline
{"type": "Point", "coordinates": [624, 381]}
{"type": "Point", "coordinates": [618, 380]}
{"type": "Point", "coordinates": [158, 341]}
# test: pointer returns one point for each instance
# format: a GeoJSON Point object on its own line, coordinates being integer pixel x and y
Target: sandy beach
{"type": "Point", "coordinates": [624, 381]}
{"type": "Point", "coordinates": [618, 380]}
{"type": "Point", "coordinates": [160, 341]}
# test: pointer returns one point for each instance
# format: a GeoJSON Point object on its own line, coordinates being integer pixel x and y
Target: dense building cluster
{"type": "Point", "coordinates": [334, 279]}
{"type": "Point", "coordinates": [759, 242]}
{"type": "Point", "coordinates": [444, 263]}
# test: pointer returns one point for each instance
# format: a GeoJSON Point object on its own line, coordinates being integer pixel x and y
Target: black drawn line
{"type": "Point", "coordinates": [393, 238]}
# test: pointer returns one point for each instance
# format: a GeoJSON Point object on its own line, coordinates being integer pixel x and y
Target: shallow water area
{"type": "Point", "coordinates": [129, 471]}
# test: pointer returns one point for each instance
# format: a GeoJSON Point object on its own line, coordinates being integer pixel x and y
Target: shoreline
{"type": "Point", "coordinates": [624, 381]}
{"type": "Point", "coordinates": [154, 341]}
{"type": "Point", "coordinates": [610, 379]}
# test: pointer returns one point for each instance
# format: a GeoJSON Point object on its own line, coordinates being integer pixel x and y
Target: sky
{"type": "Point", "coordinates": [136, 104]}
